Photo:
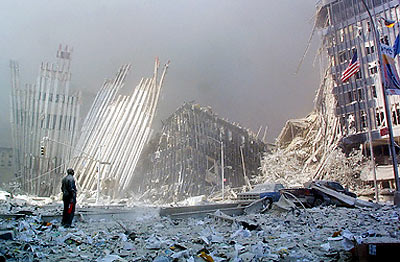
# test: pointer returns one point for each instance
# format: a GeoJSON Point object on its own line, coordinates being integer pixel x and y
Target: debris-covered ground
{"type": "Point", "coordinates": [317, 234]}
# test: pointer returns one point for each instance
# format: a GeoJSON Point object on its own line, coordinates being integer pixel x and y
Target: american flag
{"type": "Point", "coordinates": [351, 69]}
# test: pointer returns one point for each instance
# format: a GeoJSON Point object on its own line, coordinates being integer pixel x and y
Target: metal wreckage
{"type": "Point", "coordinates": [196, 152]}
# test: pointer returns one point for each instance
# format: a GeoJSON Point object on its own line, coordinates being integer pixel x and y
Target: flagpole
{"type": "Point", "coordinates": [387, 108]}
{"type": "Point", "coordinates": [368, 115]}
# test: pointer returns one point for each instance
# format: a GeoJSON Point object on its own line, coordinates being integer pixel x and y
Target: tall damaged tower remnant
{"type": "Point", "coordinates": [44, 109]}
{"type": "Point", "coordinates": [346, 28]}
{"type": "Point", "coordinates": [197, 152]}
{"type": "Point", "coordinates": [115, 131]}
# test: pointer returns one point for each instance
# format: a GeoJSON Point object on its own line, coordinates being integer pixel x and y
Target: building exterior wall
{"type": "Point", "coordinates": [345, 27]}
{"type": "Point", "coordinates": [188, 156]}
{"type": "Point", "coordinates": [44, 109]}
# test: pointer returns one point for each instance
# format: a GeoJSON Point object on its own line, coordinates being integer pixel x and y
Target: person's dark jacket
{"type": "Point", "coordinates": [68, 188]}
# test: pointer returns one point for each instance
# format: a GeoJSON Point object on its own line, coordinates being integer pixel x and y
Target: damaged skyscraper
{"type": "Point", "coordinates": [346, 28]}
{"type": "Point", "coordinates": [114, 133]}
{"type": "Point", "coordinates": [44, 109]}
{"type": "Point", "coordinates": [198, 152]}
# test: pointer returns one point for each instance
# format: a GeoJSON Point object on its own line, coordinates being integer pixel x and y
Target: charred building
{"type": "Point", "coordinates": [197, 151]}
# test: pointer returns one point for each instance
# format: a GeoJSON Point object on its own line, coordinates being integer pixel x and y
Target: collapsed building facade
{"type": "Point", "coordinates": [325, 144]}
{"type": "Point", "coordinates": [346, 28]}
{"type": "Point", "coordinates": [44, 109]}
{"type": "Point", "coordinates": [197, 152]}
{"type": "Point", "coordinates": [114, 133]}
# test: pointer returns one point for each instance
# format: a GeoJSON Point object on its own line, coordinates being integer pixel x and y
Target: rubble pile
{"type": "Point", "coordinates": [308, 148]}
{"type": "Point", "coordinates": [318, 234]}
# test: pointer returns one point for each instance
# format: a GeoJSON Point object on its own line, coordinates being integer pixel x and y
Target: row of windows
{"type": "Point", "coordinates": [57, 98]}
{"type": "Point", "coordinates": [342, 10]}
{"type": "Point", "coordinates": [380, 118]}
{"type": "Point", "coordinates": [358, 95]}
{"type": "Point", "coordinates": [59, 122]}
{"type": "Point", "coordinates": [347, 55]}
{"type": "Point", "coordinates": [6, 165]}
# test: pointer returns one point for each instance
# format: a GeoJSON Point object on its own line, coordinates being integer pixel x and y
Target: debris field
{"type": "Point", "coordinates": [325, 233]}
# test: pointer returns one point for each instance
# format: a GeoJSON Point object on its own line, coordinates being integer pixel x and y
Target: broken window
{"type": "Point", "coordinates": [342, 56]}
{"type": "Point", "coordinates": [363, 119]}
{"type": "Point", "coordinates": [385, 40]}
{"type": "Point", "coordinates": [398, 115]}
{"type": "Point", "coordinates": [360, 94]}
{"type": "Point", "coordinates": [370, 49]}
{"type": "Point", "coordinates": [368, 26]}
{"type": "Point", "coordinates": [373, 89]}
{"type": "Point", "coordinates": [380, 118]}
{"type": "Point", "coordinates": [341, 35]}
{"type": "Point", "coordinates": [358, 75]}
{"type": "Point", "coordinates": [355, 95]}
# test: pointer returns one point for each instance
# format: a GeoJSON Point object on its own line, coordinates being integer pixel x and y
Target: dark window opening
{"type": "Point", "coordinates": [358, 75]}
{"type": "Point", "coordinates": [398, 115]}
{"type": "Point", "coordinates": [363, 119]}
{"type": "Point", "coordinates": [385, 40]}
{"type": "Point", "coordinates": [342, 57]}
{"type": "Point", "coordinates": [370, 49]}
{"type": "Point", "coordinates": [360, 94]}
{"type": "Point", "coordinates": [373, 88]}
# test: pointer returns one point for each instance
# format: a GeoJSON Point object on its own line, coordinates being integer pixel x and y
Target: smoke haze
{"type": "Point", "coordinates": [239, 57]}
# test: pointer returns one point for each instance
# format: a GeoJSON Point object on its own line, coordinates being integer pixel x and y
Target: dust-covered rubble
{"type": "Point", "coordinates": [317, 234]}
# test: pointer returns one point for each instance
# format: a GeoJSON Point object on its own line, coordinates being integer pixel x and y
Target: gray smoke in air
{"type": "Point", "coordinates": [239, 57]}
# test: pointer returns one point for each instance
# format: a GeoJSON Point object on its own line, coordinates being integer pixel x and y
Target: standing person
{"type": "Point", "coordinates": [68, 189]}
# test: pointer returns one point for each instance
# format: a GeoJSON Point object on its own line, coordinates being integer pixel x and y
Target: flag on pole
{"type": "Point", "coordinates": [391, 79]}
{"type": "Point", "coordinates": [388, 23]}
{"type": "Point", "coordinates": [396, 46]}
{"type": "Point", "coordinates": [351, 69]}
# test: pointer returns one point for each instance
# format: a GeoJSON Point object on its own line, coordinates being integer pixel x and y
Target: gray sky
{"type": "Point", "coordinates": [237, 56]}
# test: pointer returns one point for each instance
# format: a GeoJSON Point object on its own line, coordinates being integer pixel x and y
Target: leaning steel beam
{"type": "Point", "coordinates": [119, 127]}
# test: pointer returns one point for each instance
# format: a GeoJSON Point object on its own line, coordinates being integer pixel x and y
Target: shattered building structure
{"type": "Point", "coordinates": [46, 108]}
{"type": "Point", "coordinates": [197, 151]}
{"type": "Point", "coordinates": [346, 28]}
{"type": "Point", "coordinates": [114, 133]}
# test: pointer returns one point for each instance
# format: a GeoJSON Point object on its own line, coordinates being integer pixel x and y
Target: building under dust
{"type": "Point", "coordinates": [345, 27]}
{"type": "Point", "coordinates": [186, 159]}
{"type": "Point", "coordinates": [44, 109]}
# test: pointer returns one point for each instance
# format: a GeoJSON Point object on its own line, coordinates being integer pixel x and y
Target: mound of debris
{"type": "Point", "coordinates": [318, 234]}
{"type": "Point", "coordinates": [309, 148]}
